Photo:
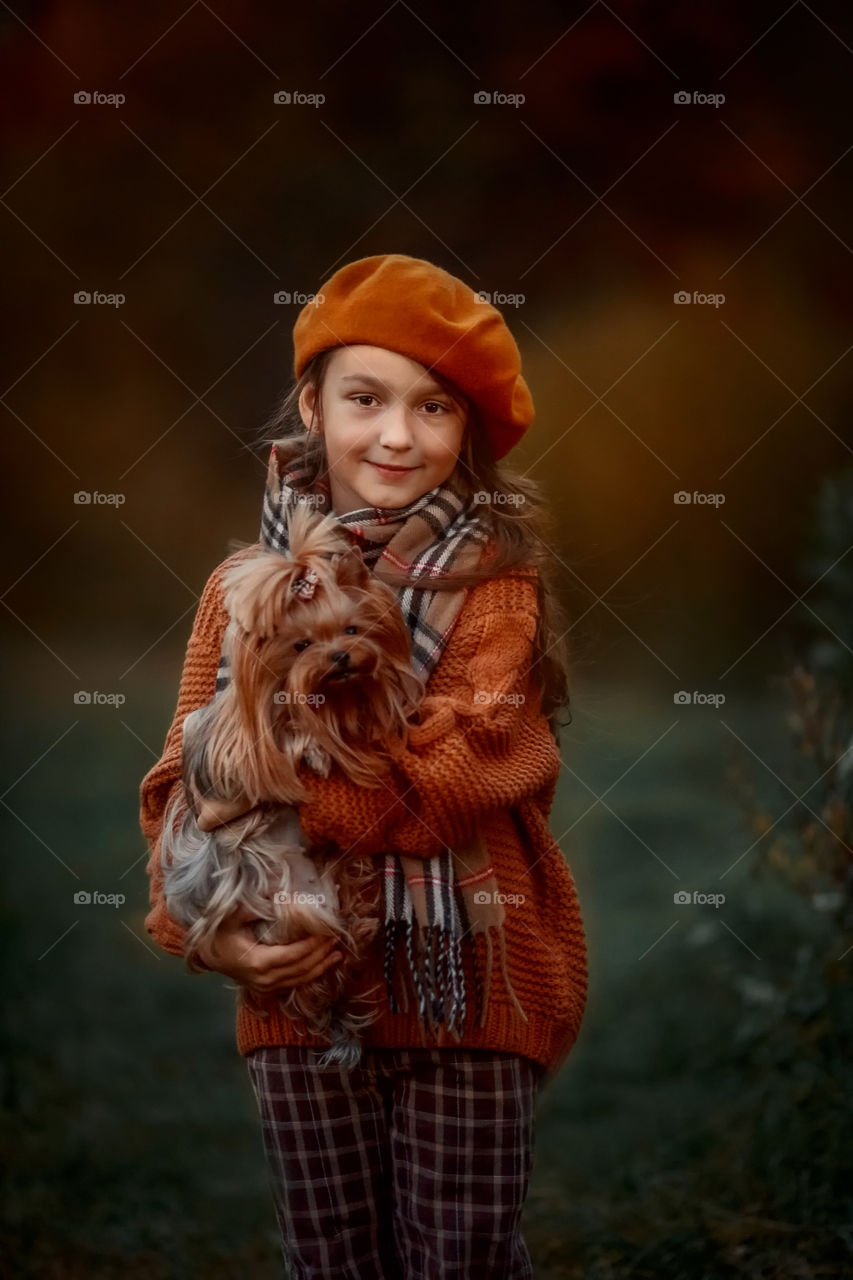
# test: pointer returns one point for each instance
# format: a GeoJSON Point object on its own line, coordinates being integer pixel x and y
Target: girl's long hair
{"type": "Point", "coordinates": [515, 514]}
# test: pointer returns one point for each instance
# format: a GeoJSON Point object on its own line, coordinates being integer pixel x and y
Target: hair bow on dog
{"type": "Point", "coordinates": [306, 585]}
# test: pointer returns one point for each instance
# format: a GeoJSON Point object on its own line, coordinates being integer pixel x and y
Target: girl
{"type": "Point", "coordinates": [416, 1163]}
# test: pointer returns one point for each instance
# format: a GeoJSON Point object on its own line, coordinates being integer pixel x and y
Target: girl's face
{"type": "Point", "coordinates": [391, 432]}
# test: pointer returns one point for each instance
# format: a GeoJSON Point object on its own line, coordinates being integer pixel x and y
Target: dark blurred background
{"type": "Point", "coordinates": [629, 153]}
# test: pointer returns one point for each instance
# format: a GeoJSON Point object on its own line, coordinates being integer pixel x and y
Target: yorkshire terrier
{"type": "Point", "coordinates": [320, 664]}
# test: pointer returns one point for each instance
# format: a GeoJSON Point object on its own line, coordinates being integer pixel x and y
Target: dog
{"type": "Point", "coordinates": [321, 675]}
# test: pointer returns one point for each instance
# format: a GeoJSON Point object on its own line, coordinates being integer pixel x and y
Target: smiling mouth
{"type": "Point", "coordinates": [382, 466]}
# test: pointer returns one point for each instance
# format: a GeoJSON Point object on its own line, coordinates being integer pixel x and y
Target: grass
{"type": "Point", "coordinates": [693, 1131]}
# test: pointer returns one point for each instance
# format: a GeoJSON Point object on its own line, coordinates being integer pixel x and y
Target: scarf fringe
{"type": "Point", "coordinates": [434, 956]}
{"type": "Point", "coordinates": [504, 972]}
{"type": "Point", "coordinates": [434, 965]}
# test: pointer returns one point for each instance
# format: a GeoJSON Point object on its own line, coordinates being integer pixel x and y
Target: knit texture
{"type": "Point", "coordinates": [482, 759]}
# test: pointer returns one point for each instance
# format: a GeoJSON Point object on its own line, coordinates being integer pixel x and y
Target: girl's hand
{"type": "Point", "coordinates": [212, 813]}
{"type": "Point", "coordinates": [235, 951]}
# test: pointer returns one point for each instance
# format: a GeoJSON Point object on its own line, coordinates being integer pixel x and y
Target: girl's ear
{"type": "Point", "coordinates": [308, 406]}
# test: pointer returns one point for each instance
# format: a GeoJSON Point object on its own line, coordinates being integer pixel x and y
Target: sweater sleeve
{"type": "Point", "coordinates": [485, 745]}
{"type": "Point", "coordinates": [198, 685]}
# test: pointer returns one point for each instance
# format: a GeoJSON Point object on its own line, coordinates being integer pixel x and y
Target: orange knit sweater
{"type": "Point", "coordinates": [476, 764]}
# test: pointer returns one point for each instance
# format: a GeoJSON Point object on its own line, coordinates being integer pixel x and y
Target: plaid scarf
{"type": "Point", "coordinates": [430, 905]}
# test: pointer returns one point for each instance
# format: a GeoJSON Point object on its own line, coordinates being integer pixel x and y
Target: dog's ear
{"type": "Point", "coordinates": [350, 569]}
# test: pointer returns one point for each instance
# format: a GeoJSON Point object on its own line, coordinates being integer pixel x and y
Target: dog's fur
{"type": "Point", "coordinates": [320, 661]}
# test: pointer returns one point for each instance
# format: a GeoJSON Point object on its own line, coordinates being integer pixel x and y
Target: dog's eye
{"type": "Point", "coordinates": [299, 645]}
{"type": "Point", "coordinates": [350, 631]}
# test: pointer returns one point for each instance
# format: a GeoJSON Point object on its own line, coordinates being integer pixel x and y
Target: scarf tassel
{"type": "Point", "coordinates": [504, 973]}
{"type": "Point", "coordinates": [435, 964]}
{"type": "Point", "coordinates": [434, 957]}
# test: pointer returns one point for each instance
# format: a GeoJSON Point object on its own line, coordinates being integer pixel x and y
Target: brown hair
{"type": "Point", "coordinates": [521, 528]}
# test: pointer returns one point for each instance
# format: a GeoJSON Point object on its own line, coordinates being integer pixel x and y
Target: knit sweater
{"type": "Point", "coordinates": [482, 758]}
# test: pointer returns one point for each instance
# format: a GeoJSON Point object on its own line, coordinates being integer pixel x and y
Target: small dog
{"type": "Point", "coordinates": [320, 661]}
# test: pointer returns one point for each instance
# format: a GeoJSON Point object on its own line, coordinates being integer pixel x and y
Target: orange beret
{"type": "Point", "coordinates": [411, 306]}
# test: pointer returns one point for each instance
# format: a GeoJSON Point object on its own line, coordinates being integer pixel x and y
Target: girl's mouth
{"type": "Point", "coordinates": [392, 471]}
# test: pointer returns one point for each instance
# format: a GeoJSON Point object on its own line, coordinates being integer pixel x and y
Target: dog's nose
{"type": "Point", "coordinates": [341, 658]}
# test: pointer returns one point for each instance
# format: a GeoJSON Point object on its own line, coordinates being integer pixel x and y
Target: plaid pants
{"type": "Point", "coordinates": [413, 1166]}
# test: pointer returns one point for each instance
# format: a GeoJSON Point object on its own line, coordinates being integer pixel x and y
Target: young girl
{"type": "Point", "coordinates": [416, 1163]}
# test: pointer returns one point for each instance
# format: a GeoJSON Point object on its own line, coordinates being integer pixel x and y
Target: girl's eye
{"type": "Point", "coordinates": [299, 645]}
{"type": "Point", "coordinates": [350, 631]}
{"type": "Point", "coordinates": [430, 405]}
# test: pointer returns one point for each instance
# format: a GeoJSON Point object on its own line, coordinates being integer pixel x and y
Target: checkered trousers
{"type": "Point", "coordinates": [413, 1166]}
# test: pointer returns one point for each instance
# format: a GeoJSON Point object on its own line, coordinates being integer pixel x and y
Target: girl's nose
{"type": "Point", "coordinates": [395, 429]}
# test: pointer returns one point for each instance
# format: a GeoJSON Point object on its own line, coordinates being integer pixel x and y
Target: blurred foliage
{"type": "Point", "coordinates": [809, 845]}
{"type": "Point", "coordinates": [793, 1044]}
{"type": "Point", "coordinates": [827, 567]}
